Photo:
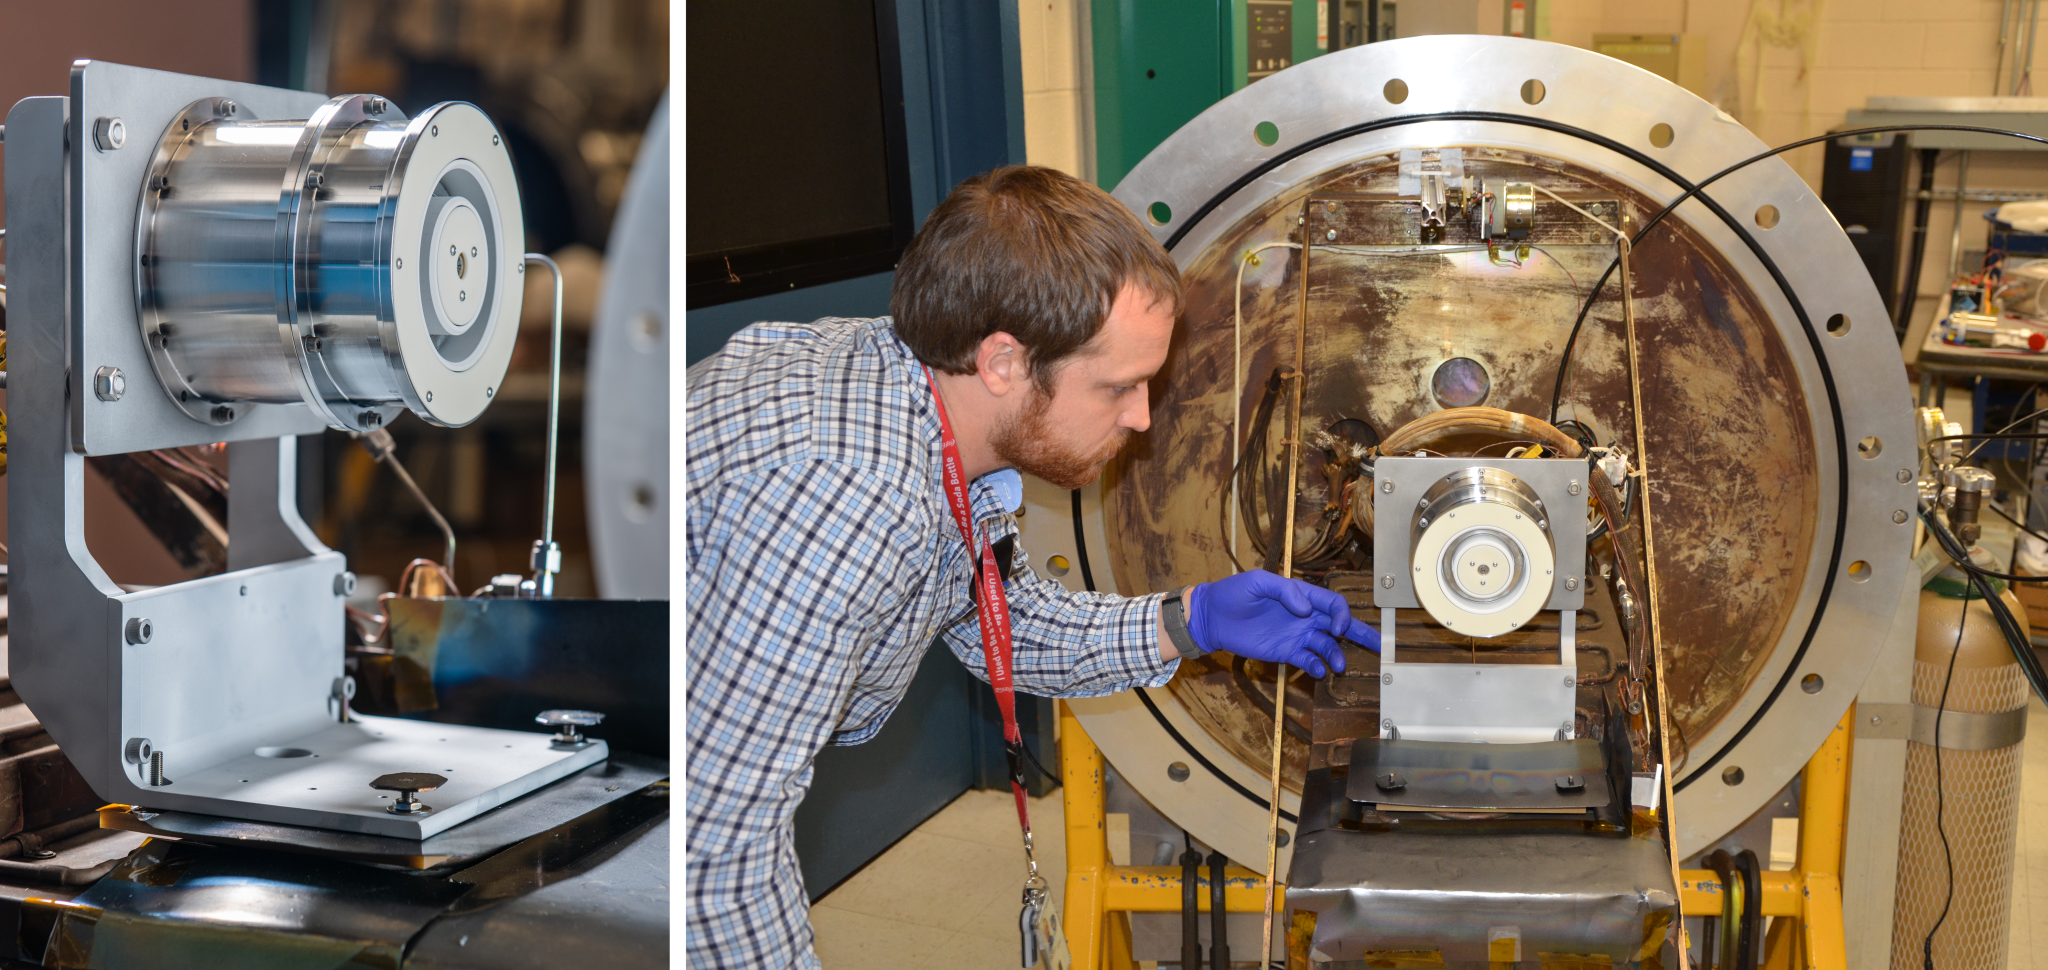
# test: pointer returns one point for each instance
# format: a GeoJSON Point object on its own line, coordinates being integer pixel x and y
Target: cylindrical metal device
{"type": "Point", "coordinates": [354, 261]}
{"type": "Point", "coordinates": [1978, 785]}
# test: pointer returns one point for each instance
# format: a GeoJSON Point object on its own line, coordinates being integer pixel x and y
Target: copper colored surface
{"type": "Point", "coordinates": [1735, 487]}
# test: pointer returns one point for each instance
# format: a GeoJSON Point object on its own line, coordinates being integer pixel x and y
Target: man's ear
{"type": "Point", "coordinates": [1002, 363]}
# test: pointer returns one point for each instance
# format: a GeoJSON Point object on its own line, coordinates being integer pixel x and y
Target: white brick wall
{"type": "Point", "coordinates": [1053, 117]}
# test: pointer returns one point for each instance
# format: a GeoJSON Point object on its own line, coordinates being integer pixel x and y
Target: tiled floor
{"type": "Point", "coordinates": [947, 895]}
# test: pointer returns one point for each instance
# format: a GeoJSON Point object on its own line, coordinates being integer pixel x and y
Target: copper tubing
{"type": "Point", "coordinates": [1479, 420]}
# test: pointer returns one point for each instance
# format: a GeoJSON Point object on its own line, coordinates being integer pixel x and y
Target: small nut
{"type": "Point", "coordinates": [1571, 583]}
{"type": "Point", "coordinates": [109, 134]}
{"type": "Point", "coordinates": [108, 384]}
{"type": "Point", "coordinates": [1571, 488]}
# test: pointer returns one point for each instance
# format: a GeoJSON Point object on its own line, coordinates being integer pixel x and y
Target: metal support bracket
{"type": "Point", "coordinates": [228, 679]}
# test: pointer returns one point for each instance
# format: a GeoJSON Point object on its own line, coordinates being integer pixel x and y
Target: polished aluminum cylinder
{"type": "Point", "coordinates": [320, 261]}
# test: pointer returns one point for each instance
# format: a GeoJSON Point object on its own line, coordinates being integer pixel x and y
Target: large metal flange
{"type": "Point", "coordinates": [1649, 136]}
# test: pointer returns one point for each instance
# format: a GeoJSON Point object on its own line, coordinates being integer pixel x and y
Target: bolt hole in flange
{"type": "Point", "coordinates": [1731, 776]}
{"type": "Point", "coordinates": [1266, 133]}
{"type": "Point", "coordinates": [1811, 683]}
{"type": "Point", "coordinates": [1160, 213]}
{"type": "Point", "coordinates": [1859, 571]}
{"type": "Point", "coordinates": [1532, 91]}
{"type": "Point", "coordinates": [1396, 91]}
{"type": "Point", "coordinates": [1661, 135]}
{"type": "Point", "coordinates": [1838, 324]}
{"type": "Point", "coordinates": [1767, 217]}
{"type": "Point", "coordinates": [1870, 447]}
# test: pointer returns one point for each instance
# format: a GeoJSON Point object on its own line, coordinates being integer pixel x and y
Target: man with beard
{"type": "Point", "coordinates": [833, 469]}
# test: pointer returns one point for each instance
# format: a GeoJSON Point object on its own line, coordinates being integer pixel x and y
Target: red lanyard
{"type": "Point", "coordinates": [993, 608]}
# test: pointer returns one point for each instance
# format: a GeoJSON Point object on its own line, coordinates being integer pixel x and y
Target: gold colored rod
{"type": "Point", "coordinates": [1286, 571]}
{"type": "Point", "coordinates": [1652, 594]}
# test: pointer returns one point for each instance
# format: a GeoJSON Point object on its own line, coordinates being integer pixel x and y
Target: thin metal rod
{"type": "Point", "coordinates": [447, 533]}
{"type": "Point", "coordinates": [546, 559]}
{"type": "Point", "coordinates": [1654, 592]}
{"type": "Point", "coordinates": [1293, 444]}
{"type": "Point", "coordinates": [2004, 30]}
{"type": "Point", "coordinates": [1955, 239]}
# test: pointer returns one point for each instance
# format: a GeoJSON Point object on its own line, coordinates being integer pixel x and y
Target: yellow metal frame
{"type": "Point", "coordinates": [1808, 899]}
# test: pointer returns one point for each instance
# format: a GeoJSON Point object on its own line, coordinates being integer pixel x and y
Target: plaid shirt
{"type": "Point", "coordinates": [822, 560]}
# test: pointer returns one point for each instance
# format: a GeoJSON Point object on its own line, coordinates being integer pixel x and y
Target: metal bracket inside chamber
{"type": "Point", "coordinates": [1508, 507]}
{"type": "Point", "coordinates": [216, 695]}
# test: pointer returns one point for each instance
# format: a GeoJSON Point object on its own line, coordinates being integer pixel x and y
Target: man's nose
{"type": "Point", "coordinates": [1139, 416]}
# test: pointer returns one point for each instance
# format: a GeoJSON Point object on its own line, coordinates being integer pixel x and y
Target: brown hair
{"type": "Point", "coordinates": [1028, 251]}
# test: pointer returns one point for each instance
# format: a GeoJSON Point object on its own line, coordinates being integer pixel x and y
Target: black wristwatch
{"type": "Point", "coordinates": [1173, 613]}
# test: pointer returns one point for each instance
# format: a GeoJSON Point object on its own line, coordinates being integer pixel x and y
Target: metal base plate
{"type": "Point", "coordinates": [328, 785]}
{"type": "Point", "coordinates": [530, 815]}
{"type": "Point", "coordinates": [1479, 777]}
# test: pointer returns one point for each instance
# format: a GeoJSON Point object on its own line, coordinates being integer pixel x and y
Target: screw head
{"type": "Point", "coordinates": [1905, 475]}
{"type": "Point", "coordinates": [1387, 678]}
{"type": "Point", "coordinates": [225, 109]}
{"type": "Point", "coordinates": [1386, 582]}
{"type": "Point", "coordinates": [1331, 235]}
{"type": "Point", "coordinates": [406, 781]}
{"type": "Point", "coordinates": [1899, 517]}
{"type": "Point", "coordinates": [108, 384]}
{"type": "Point", "coordinates": [1387, 724]}
{"type": "Point", "coordinates": [222, 414]}
{"type": "Point", "coordinates": [1387, 486]}
{"type": "Point", "coordinates": [139, 630]}
{"type": "Point", "coordinates": [1571, 680]}
{"type": "Point", "coordinates": [376, 106]}
{"type": "Point", "coordinates": [1571, 488]}
{"type": "Point", "coordinates": [1571, 582]}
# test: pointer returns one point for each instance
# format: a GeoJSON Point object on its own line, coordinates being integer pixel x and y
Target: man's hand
{"type": "Point", "coordinates": [1259, 615]}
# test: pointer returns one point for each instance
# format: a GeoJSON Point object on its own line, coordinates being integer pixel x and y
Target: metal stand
{"type": "Point", "coordinates": [1100, 896]}
{"type": "Point", "coordinates": [217, 695]}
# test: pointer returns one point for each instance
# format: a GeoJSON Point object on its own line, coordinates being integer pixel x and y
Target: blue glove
{"type": "Point", "coordinates": [1259, 615]}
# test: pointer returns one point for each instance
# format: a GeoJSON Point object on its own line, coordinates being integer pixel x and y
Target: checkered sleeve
{"type": "Point", "coordinates": [783, 602]}
{"type": "Point", "coordinates": [1071, 644]}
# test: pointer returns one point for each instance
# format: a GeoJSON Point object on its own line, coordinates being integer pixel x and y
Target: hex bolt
{"type": "Point", "coordinates": [407, 784]}
{"type": "Point", "coordinates": [344, 583]}
{"type": "Point", "coordinates": [139, 630]}
{"type": "Point", "coordinates": [109, 134]}
{"type": "Point", "coordinates": [222, 414]}
{"type": "Point", "coordinates": [376, 106]}
{"type": "Point", "coordinates": [568, 725]}
{"type": "Point", "coordinates": [1571, 488]}
{"type": "Point", "coordinates": [1386, 582]}
{"type": "Point", "coordinates": [225, 108]}
{"type": "Point", "coordinates": [108, 384]}
{"type": "Point", "coordinates": [1571, 583]}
